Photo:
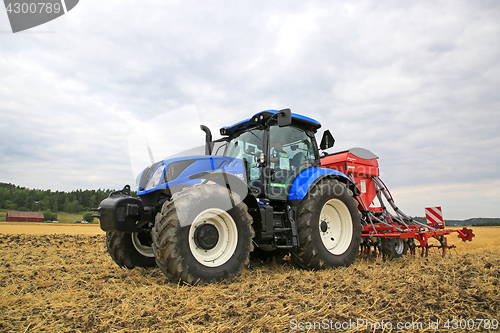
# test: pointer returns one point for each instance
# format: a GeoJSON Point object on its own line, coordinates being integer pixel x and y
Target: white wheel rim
{"type": "Point", "coordinates": [145, 250]}
{"type": "Point", "coordinates": [335, 226]}
{"type": "Point", "coordinates": [399, 245]}
{"type": "Point", "coordinates": [226, 243]}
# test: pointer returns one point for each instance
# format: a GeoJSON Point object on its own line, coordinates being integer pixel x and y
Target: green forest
{"type": "Point", "coordinates": [19, 198]}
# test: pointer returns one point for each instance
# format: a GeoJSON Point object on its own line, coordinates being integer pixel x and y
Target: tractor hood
{"type": "Point", "coordinates": [183, 171]}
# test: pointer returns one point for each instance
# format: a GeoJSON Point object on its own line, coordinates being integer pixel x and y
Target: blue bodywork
{"type": "Point", "coordinates": [191, 165]}
{"type": "Point", "coordinates": [307, 178]}
{"type": "Point", "coordinates": [302, 121]}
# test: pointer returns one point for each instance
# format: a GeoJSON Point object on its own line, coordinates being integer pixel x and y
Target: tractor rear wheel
{"type": "Point", "coordinates": [394, 248]}
{"type": "Point", "coordinates": [131, 249]}
{"type": "Point", "coordinates": [329, 227]}
{"type": "Point", "coordinates": [198, 239]}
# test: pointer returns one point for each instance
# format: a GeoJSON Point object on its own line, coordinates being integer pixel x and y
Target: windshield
{"type": "Point", "coordinates": [246, 145]}
{"type": "Point", "coordinates": [219, 147]}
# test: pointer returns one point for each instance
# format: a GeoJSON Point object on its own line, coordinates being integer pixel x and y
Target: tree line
{"type": "Point", "coordinates": [14, 197]}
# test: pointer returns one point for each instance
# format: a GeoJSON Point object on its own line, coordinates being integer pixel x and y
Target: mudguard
{"type": "Point", "coordinates": [234, 184]}
{"type": "Point", "coordinates": [226, 179]}
{"type": "Point", "coordinates": [225, 200]}
{"type": "Point", "coordinates": [177, 172]}
{"type": "Point", "coordinates": [309, 177]}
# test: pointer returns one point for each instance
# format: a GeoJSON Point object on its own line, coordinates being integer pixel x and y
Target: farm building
{"type": "Point", "coordinates": [24, 216]}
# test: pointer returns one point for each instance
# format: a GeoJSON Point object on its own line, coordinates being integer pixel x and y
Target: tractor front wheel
{"type": "Point", "coordinates": [329, 227]}
{"type": "Point", "coordinates": [131, 249]}
{"type": "Point", "coordinates": [197, 237]}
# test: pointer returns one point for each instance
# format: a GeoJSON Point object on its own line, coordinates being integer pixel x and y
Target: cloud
{"type": "Point", "coordinates": [415, 82]}
{"type": "Point", "coordinates": [478, 199]}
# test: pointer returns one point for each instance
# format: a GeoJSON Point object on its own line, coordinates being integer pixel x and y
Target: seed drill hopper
{"type": "Point", "coordinates": [391, 234]}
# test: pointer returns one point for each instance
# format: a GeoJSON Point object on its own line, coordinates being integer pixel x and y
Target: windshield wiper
{"type": "Point", "coordinates": [250, 131]}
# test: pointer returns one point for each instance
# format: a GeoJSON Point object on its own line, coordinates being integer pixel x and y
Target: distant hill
{"type": "Point", "coordinates": [477, 221]}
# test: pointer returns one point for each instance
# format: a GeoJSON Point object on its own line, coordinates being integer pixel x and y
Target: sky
{"type": "Point", "coordinates": [415, 82]}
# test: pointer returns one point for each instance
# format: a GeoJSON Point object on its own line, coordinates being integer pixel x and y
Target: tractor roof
{"type": "Point", "coordinates": [261, 117]}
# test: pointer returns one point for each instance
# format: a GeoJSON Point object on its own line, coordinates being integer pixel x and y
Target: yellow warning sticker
{"type": "Point", "coordinates": [363, 186]}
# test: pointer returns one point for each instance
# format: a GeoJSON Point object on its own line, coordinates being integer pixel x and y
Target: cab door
{"type": "Point", "coordinates": [291, 150]}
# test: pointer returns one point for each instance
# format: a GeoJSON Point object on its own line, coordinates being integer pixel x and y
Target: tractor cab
{"type": "Point", "coordinates": [274, 151]}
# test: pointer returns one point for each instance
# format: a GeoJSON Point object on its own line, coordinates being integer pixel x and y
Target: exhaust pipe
{"type": "Point", "coordinates": [208, 139]}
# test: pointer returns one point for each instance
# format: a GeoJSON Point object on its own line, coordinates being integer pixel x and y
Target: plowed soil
{"type": "Point", "coordinates": [68, 283]}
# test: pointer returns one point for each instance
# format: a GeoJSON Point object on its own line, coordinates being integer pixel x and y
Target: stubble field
{"type": "Point", "coordinates": [57, 278]}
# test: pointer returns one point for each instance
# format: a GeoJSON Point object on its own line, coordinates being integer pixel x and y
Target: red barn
{"type": "Point", "coordinates": [24, 216]}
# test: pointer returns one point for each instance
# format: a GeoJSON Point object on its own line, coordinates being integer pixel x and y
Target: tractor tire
{"type": "Point", "coordinates": [131, 249]}
{"type": "Point", "coordinates": [212, 244]}
{"type": "Point", "coordinates": [393, 248]}
{"type": "Point", "coordinates": [329, 225]}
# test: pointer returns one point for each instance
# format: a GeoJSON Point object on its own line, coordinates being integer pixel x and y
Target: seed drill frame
{"type": "Point", "coordinates": [361, 166]}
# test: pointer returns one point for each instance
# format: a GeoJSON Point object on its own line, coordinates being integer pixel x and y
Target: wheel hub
{"type": "Point", "coordinates": [206, 236]}
{"type": "Point", "coordinates": [399, 246]}
{"type": "Point", "coordinates": [142, 242]}
{"type": "Point", "coordinates": [145, 238]}
{"type": "Point", "coordinates": [323, 226]}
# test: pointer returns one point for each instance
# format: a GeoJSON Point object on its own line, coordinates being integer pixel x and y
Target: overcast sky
{"type": "Point", "coordinates": [415, 82]}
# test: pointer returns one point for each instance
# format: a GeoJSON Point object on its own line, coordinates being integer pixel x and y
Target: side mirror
{"type": "Point", "coordinates": [284, 117]}
{"type": "Point", "coordinates": [327, 141]}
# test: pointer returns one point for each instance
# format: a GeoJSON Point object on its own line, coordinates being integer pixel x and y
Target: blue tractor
{"type": "Point", "coordinates": [259, 189]}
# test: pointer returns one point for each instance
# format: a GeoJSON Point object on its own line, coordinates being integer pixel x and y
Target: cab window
{"type": "Point", "coordinates": [290, 152]}
{"type": "Point", "coordinates": [247, 145]}
{"type": "Point", "coordinates": [290, 148]}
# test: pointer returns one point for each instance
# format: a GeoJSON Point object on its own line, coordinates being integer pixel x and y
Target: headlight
{"type": "Point", "coordinates": [155, 178]}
